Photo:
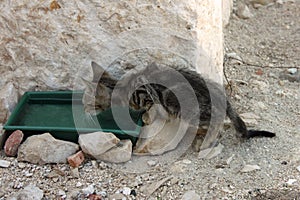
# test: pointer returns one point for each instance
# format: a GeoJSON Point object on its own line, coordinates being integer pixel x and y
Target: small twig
{"type": "Point", "coordinates": [105, 20]}
{"type": "Point", "coordinates": [224, 72]}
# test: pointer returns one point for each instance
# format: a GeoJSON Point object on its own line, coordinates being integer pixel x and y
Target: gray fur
{"type": "Point", "coordinates": [213, 105]}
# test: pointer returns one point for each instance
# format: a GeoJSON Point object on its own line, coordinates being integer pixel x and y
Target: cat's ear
{"type": "Point", "coordinates": [153, 66]}
{"type": "Point", "coordinates": [98, 71]}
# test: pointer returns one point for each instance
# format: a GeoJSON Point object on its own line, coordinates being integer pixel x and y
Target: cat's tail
{"type": "Point", "coordinates": [256, 133]}
{"type": "Point", "coordinates": [241, 128]}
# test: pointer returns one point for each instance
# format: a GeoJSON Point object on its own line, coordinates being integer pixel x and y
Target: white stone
{"type": "Point", "coordinates": [45, 148]}
{"type": "Point", "coordinates": [151, 163]}
{"type": "Point", "coordinates": [243, 11]}
{"type": "Point", "coordinates": [118, 154]}
{"type": "Point", "coordinates": [249, 168]}
{"type": "Point", "coordinates": [88, 190]}
{"type": "Point", "coordinates": [190, 195]}
{"type": "Point", "coordinates": [298, 168]}
{"type": "Point", "coordinates": [126, 191]}
{"type": "Point", "coordinates": [292, 70]}
{"type": "Point", "coordinates": [250, 118]}
{"type": "Point", "coordinates": [78, 184]}
{"type": "Point", "coordinates": [97, 143]}
{"type": "Point", "coordinates": [61, 193]}
{"type": "Point", "coordinates": [291, 181]}
{"type": "Point", "coordinates": [30, 192]}
{"type": "Point", "coordinates": [4, 163]}
{"type": "Point", "coordinates": [186, 161]}
{"type": "Point", "coordinates": [21, 165]}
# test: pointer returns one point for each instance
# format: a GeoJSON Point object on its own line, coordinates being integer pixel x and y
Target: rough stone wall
{"type": "Point", "coordinates": [47, 45]}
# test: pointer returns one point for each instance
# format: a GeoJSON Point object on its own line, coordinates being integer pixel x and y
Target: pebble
{"type": "Point", "coordinates": [243, 11]}
{"type": "Point", "coordinates": [249, 168]}
{"type": "Point", "coordinates": [191, 195]}
{"type": "Point", "coordinates": [298, 168]}
{"type": "Point", "coordinates": [292, 70]}
{"type": "Point", "coordinates": [21, 165]}
{"type": "Point", "coordinates": [78, 184]}
{"type": "Point", "coordinates": [151, 163]}
{"type": "Point", "coordinates": [117, 196]}
{"type": "Point", "coordinates": [229, 160]}
{"type": "Point", "coordinates": [261, 105]}
{"type": "Point", "coordinates": [186, 161]}
{"type": "Point", "coordinates": [234, 56]}
{"type": "Point", "coordinates": [126, 191]}
{"type": "Point", "coordinates": [88, 190]}
{"type": "Point", "coordinates": [61, 193]}
{"type": "Point", "coordinates": [281, 83]}
{"type": "Point", "coordinates": [4, 163]}
{"type": "Point", "coordinates": [75, 173]}
{"type": "Point", "coordinates": [13, 142]}
{"type": "Point", "coordinates": [291, 181]}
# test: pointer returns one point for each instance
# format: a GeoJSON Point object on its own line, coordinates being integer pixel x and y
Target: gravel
{"type": "Point", "coordinates": [270, 41]}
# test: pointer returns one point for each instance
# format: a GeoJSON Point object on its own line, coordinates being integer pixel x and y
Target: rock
{"type": "Point", "coordinates": [229, 160]}
{"type": "Point", "coordinates": [148, 190]}
{"type": "Point", "coordinates": [211, 152]}
{"type": "Point", "coordinates": [261, 105]}
{"type": "Point", "coordinates": [190, 195]}
{"type": "Point", "coordinates": [117, 196]}
{"type": "Point", "coordinates": [249, 116]}
{"type": "Point", "coordinates": [94, 197]}
{"type": "Point", "coordinates": [97, 143]}
{"type": "Point", "coordinates": [261, 85]}
{"type": "Point", "coordinates": [75, 173]}
{"type": "Point", "coordinates": [298, 168]}
{"type": "Point", "coordinates": [243, 11]}
{"type": "Point", "coordinates": [61, 193]}
{"type": "Point", "coordinates": [30, 192]}
{"type": "Point", "coordinates": [292, 70]}
{"type": "Point", "coordinates": [234, 56]}
{"type": "Point", "coordinates": [88, 190]}
{"type": "Point", "coordinates": [126, 191]}
{"type": "Point", "coordinates": [59, 72]}
{"type": "Point", "coordinates": [41, 149]}
{"type": "Point", "coordinates": [21, 165]}
{"type": "Point", "coordinates": [292, 75]}
{"type": "Point", "coordinates": [151, 163]}
{"type": "Point", "coordinates": [118, 154]}
{"type": "Point", "coordinates": [290, 182]}
{"type": "Point", "coordinates": [250, 119]}
{"type": "Point", "coordinates": [13, 142]}
{"type": "Point", "coordinates": [249, 168]}
{"type": "Point", "coordinates": [76, 159]}
{"type": "Point", "coordinates": [186, 161]}
{"type": "Point", "coordinates": [4, 163]}
{"type": "Point", "coordinates": [162, 135]}
{"type": "Point", "coordinates": [78, 184]}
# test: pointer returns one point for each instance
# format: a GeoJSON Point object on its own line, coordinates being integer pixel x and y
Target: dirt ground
{"type": "Point", "coordinates": [270, 41]}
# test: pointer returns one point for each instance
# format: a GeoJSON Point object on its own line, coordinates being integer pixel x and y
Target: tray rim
{"type": "Point", "coordinates": [26, 97]}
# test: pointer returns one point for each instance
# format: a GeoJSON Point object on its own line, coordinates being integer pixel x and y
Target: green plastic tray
{"type": "Point", "coordinates": [61, 114]}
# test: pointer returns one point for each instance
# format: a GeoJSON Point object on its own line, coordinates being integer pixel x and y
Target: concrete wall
{"type": "Point", "coordinates": [47, 45]}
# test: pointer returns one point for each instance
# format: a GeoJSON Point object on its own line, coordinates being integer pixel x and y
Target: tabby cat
{"type": "Point", "coordinates": [143, 89]}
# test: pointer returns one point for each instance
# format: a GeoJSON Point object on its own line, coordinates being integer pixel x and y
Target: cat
{"type": "Point", "coordinates": [142, 89]}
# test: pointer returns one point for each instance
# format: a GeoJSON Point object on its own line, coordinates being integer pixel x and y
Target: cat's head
{"type": "Point", "coordinates": [97, 94]}
{"type": "Point", "coordinates": [135, 88]}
